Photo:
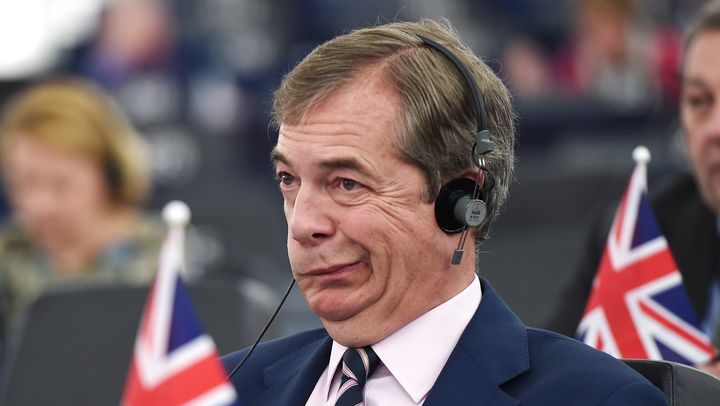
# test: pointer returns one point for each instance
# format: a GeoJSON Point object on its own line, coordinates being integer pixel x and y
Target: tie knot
{"type": "Point", "coordinates": [361, 362]}
{"type": "Point", "coordinates": [357, 365]}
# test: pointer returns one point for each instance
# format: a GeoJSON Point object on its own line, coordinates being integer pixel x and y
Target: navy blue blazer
{"type": "Point", "coordinates": [498, 361]}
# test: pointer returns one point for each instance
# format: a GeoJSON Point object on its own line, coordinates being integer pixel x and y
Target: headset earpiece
{"type": "Point", "coordinates": [455, 208]}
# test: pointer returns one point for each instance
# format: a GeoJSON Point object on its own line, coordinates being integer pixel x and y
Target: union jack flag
{"type": "Point", "coordinates": [638, 307]}
{"type": "Point", "coordinates": [174, 361]}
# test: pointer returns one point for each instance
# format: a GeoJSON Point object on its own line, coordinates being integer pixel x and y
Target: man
{"type": "Point", "coordinates": [372, 124]}
{"type": "Point", "coordinates": [686, 207]}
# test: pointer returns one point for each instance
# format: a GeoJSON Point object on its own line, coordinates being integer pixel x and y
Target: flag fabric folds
{"type": "Point", "coordinates": [174, 361]}
{"type": "Point", "coordinates": [638, 307]}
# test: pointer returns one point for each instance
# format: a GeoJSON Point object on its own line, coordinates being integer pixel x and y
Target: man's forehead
{"type": "Point", "coordinates": [330, 159]}
{"type": "Point", "coordinates": [369, 92]}
{"type": "Point", "coordinates": [329, 134]}
{"type": "Point", "coordinates": [702, 53]}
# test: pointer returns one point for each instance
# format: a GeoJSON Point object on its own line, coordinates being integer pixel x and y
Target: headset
{"type": "Point", "coordinates": [460, 204]}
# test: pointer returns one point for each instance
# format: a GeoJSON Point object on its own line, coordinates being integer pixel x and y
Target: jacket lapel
{"type": "Point", "coordinates": [492, 350]}
{"type": "Point", "coordinates": [291, 380]}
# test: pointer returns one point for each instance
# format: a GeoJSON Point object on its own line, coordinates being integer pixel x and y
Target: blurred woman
{"type": "Point", "coordinates": [75, 174]}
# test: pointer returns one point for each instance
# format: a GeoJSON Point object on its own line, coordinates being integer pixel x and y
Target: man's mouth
{"type": "Point", "coordinates": [332, 270]}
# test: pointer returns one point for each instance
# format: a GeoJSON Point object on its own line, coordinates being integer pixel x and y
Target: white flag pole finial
{"type": "Point", "coordinates": [176, 214]}
{"type": "Point", "coordinates": [641, 155]}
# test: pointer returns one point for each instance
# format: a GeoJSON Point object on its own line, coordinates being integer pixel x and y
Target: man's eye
{"type": "Point", "coordinates": [284, 179]}
{"type": "Point", "coordinates": [348, 184]}
{"type": "Point", "coordinates": [698, 101]}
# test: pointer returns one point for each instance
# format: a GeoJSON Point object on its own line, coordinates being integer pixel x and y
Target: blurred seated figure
{"type": "Point", "coordinates": [615, 73]}
{"type": "Point", "coordinates": [75, 174]}
{"type": "Point", "coordinates": [140, 67]}
{"type": "Point", "coordinates": [527, 68]}
{"type": "Point", "coordinates": [615, 58]}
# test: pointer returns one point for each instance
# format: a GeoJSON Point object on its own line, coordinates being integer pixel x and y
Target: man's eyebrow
{"type": "Point", "coordinates": [344, 163]}
{"type": "Point", "coordinates": [277, 156]}
{"type": "Point", "coordinates": [693, 81]}
{"type": "Point", "coordinates": [335, 163]}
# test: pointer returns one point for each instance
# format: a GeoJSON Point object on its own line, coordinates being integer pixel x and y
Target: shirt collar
{"type": "Point", "coordinates": [434, 335]}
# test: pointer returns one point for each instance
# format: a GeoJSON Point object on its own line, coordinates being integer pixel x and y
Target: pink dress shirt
{"type": "Point", "coordinates": [411, 358]}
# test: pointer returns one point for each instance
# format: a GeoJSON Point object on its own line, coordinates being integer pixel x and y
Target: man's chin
{"type": "Point", "coordinates": [352, 330]}
{"type": "Point", "coordinates": [333, 307]}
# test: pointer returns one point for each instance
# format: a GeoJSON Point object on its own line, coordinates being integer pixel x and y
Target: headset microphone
{"type": "Point", "coordinates": [262, 333]}
{"type": "Point", "coordinates": [470, 211]}
{"type": "Point", "coordinates": [460, 204]}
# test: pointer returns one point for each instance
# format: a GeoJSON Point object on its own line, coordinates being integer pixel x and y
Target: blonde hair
{"type": "Point", "coordinates": [436, 130]}
{"type": "Point", "coordinates": [77, 118]}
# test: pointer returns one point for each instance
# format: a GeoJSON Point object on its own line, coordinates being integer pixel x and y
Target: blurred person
{"type": "Point", "coordinates": [687, 207]}
{"type": "Point", "coordinates": [119, 51]}
{"type": "Point", "coordinates": [614, 73]}
{"type": "Point", "coordinates": [135, 57]}
{"type": "Point", "coordinates": [379, 134]}
{"type": "Point", "coordinates": [162, 71]}
{"type": "Point", "coordinates": [527, 68]}
{"type": "Point", "coordinates": [162, 66]}
{"type": "Point", "coordinates": [613, 58]}
{"type": "Point", "coordinates": [75, 173]}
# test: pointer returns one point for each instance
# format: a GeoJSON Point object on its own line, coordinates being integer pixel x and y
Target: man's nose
{"type": "Point", "coordinates": [310, 221]}
{"type": "Point", "coordinates": [713, 124]}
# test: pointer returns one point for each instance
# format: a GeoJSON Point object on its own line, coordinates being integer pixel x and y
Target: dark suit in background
{"type": "Point", "coordinates": [691, 231]}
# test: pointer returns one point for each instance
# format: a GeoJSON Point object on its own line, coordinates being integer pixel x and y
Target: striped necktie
{"type": "Point", "coordinates": [358, 364]}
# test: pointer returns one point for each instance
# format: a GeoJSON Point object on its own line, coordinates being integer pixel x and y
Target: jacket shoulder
{"type": "Point", "coordinates": [587, 376]}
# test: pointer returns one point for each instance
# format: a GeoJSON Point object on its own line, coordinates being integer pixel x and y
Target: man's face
{"type": "Point", "coordinates": [700, 112]}
{"type": "Point", "coordinates": [57, 197]}
{"type": "Point", "coordinates": [363, 245]}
